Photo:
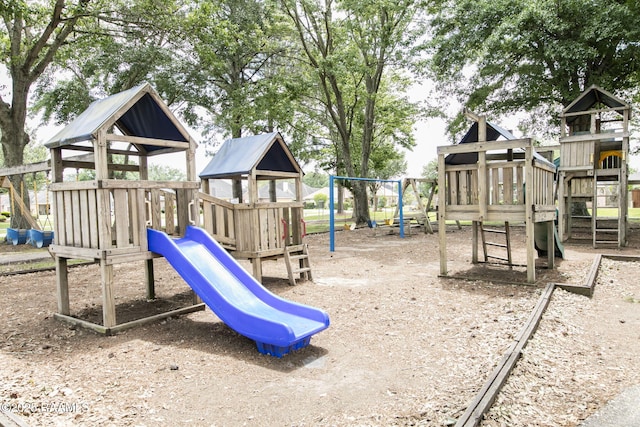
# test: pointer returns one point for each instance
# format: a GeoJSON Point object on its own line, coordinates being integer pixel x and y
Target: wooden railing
{"type": "Point", "coordinates": [114, 214]}
{"type": "Point", "coordinates": [496, 187]}
{"type": "Point", "coordinates": [252, 230]}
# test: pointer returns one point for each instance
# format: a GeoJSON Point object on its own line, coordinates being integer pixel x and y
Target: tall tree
{"type": "Point", "coordinates": [119, 48]}
{"type": "Point", "coordinates": [240, 86]}
{"type": "Point", "coordinates": [32, 34]}
{"type": "Point", "coordinates": [350, 49]}
{"type": "Point", "coordinates": [534, 56]}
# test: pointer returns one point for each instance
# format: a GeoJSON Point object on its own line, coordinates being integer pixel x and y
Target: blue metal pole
{"type": "Point", "coordinates": [332, 243]}
{"type": "Point", "coordinates": [400, 209]}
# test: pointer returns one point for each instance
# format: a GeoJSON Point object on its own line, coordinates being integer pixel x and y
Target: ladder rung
{"type": "Point", "coordinates": [301, 270]}
{"type": "Point", "coordinates": [499, 245]}
{"type": "Point", "coordinates": [497, 257]}
{"type": "Point", "coordinates": [606, 230]}
{"type": "Point", "coordinates": [295, 257]}
{"type": "Point", "coordinates": [490, 230]}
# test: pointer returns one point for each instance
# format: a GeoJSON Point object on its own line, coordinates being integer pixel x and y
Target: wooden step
{"type": "Point", "coordinates": [297, 260]}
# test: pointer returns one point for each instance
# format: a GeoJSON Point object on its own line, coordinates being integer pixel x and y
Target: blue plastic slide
{"type": "Point", "coordinates": [278, 326]}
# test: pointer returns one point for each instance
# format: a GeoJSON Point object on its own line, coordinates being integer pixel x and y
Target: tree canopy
{"type": "Point", "coordinates": [533, 56]}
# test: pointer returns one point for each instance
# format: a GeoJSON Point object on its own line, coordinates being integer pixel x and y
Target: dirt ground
{"type": "Point", "coordinates": [405, 347]}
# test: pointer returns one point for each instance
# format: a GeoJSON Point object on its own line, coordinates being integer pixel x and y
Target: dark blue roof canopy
{"type": "Point", "coordinates": [137, 112]}
{"type": "Point", "coordinates": [494, 132]}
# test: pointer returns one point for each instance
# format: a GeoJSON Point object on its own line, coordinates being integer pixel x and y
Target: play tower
{"type": "Point", "coordinates": [105, 219]}
{"type": "Point", "coordinates": [594, 150]}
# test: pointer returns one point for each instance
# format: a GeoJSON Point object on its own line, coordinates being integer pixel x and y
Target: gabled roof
{"type": "Point", "coordinates": [596, 95]}
{"type": "Point", "coordinates": [240, 156]}
{"type": "Point", "coordinates": [138, 112]}
{"type": "Point", "coordinates": [494, 132]}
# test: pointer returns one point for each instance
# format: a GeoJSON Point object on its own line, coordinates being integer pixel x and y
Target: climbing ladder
{"type": "Point", "coordinates": [506, 245]}
{"type": "Point", "coordinates": [605, 230]}
{"type": "Point", "coordinates": [297, 259]}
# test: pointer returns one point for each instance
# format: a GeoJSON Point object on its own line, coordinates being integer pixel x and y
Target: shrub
{"type": "Point", "coordinates": [6, 214]}
{"type": "Point", "coordinates": [3, 218]}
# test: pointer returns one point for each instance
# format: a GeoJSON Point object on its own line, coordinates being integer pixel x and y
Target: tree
{"type": "Point", "coordinates": [316, 179]}
{"type": "Point", "coordinates": [351, 49]}
{"type": "Point", "coordinates": [31, 37]}
{"type": "Point", "coordinates": [240, 82]}
{"type": "Point", "coordinates": [120, 48]}
{"type": "Point", "coordinates": [165, 173]}
{"type": "Point", "coordinates": [533, 56]}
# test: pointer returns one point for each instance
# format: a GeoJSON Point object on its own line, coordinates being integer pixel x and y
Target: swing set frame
{"type": "Point", "coordinates": [332, 178]}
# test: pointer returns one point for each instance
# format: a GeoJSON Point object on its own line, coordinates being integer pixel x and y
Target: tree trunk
{"type": "Point", "coordinates": [14, 139]}
{"type": "Point", "coordinates": [360, 203]}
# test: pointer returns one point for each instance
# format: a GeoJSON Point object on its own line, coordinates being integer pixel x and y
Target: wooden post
{"type": "Point", "coordinates": [442, 224]}
{"type": "Point", "coordinates": [529, 224]}
{"type": "Point", "coordinates": [151, 280]}
{"type": "Point", "coordinates": [62, 282]}
{"type": "Point", "coordinates": [474, 242]}
{"type": "Point", "coordinates": [551, 247]}
{"type": "Point", "coordinates": [108, 300]}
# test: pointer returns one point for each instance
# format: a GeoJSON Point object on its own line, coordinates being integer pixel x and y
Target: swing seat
{"type": "Point", "coordinates": [39, 239]}
{"type": "Point", "coordinates": [388, 221]}
{"type": "Point", "coordinates": [372, 224]}
{"type": "Point", "coordinates": [17, 236]}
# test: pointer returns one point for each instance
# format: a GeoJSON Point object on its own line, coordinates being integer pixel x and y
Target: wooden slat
{"type": "Point", "coordinates": [132, 213]}
{"type": "Point", "coordinates": [453, 185]}
{"type": "Point", "coordinates": [220, 218]}
{"type": "Point", "coordinates": [68, 218]}
{"type": "Point", "coordinates": [169, 212]}
{"type": "Point", "coordinates": [148, 185]}
{"type": "Point", "coordinates": [263, 225]}
{"type": "Point", "coordinates": [61, 220]}
{"type": "Point", "coordinates": [463, 195]}
{"type": "Point", "coordinates": [94, 239]}
{"type": "Point", "coordinates": [147, 141]}
{"type": "Point", "coordinates": [121, 213]}
{"type": "Point", "coordinates": [495, 186]}
{"type": "Point", "coordinates": [208, 218]}
{"type": "Point", "coordinates": [156, 210]}
{"type": "Point", "coordinates": [85, 219]}
{"type": "Point", "coordinates": [507, 185]}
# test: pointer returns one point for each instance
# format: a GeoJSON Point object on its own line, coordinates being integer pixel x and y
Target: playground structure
{"type": "Point", "coordinates": [594, 150]}
{"type": "Point", "coordinates": [257, 225]}
{"type": "Point", "coordinates": [483, 179]}
{"type": "Point", "coordinates": [115, 221]}
{"type": "Point", "coordinates": [106, 219]}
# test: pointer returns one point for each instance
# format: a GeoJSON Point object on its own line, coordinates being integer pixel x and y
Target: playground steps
{"type": "Point", "coordinates": [506, 245]}
{"type": "Point", "coordinates": [298, 256]}
{"type": "Point", "coordinates": [605, 230]}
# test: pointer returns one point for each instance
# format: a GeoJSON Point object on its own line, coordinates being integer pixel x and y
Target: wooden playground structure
{"type": "Point", "coordinates": [257, 225]}
{"type": "Point", "coordinates": [594, 150]}
{"type": "Point", "coordinates": [106, 219]}
{"type": "Point", "coordinates": [486, 180]}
